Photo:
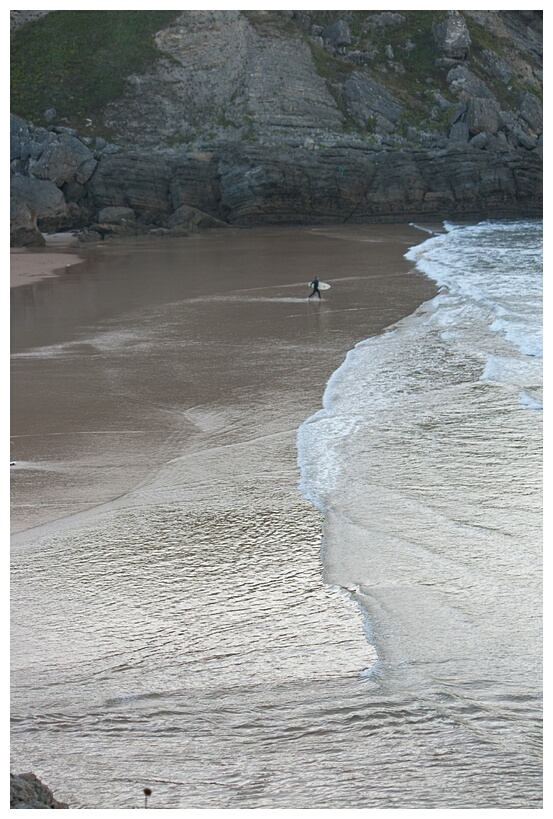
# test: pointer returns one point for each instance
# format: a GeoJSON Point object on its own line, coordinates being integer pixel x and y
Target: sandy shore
{"type": "Point", "coordinates": [28, 265]}
{"type": "Point", "coordinates": [233, 349]}
{"type": "Point", "coordinates": [156, 396]}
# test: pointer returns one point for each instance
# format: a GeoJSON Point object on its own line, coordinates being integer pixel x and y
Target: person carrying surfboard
{"type": "Point", "coordinates": [315, 285]}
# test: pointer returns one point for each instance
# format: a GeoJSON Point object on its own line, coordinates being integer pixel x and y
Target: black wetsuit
{"type": "Point", "coordinates": [315, 286]}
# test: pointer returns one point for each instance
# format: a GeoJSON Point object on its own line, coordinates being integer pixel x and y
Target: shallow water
{"type": "Point", "coordinates": [170, 625]}
{"type": "Point", "coordinates": [426, 461]}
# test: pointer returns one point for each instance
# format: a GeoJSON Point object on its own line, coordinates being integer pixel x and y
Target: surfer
{"type": "Point", "coordinates": [315, 285]}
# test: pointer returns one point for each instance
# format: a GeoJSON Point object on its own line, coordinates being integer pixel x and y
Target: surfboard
{"type": "Point", "coordinates": [322, 286]}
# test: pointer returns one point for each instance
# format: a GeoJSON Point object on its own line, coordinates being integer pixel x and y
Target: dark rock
{"type": "Point", "coordinates": [194, 182]}
{"type": "Point", "coordinates": [111, 229]}
{"type": "Point", "coordinates": [78, 216]}
{"type": "Point", "coordinates": [303, 20]}
{"type": "Point", "coordinates": [452, 36]}
{"type": "Point", "coordinates": [260, 187]}
{"type": "Point", "coordinates": [479, 141]}
{"type": "Point", "coordinates": [338, 33]}
{"type": "Point", "coordinates": [64, 129]}
{"type": "Point", "coordinates": [483, 115]}
{"type": "Point", "coordinates": [115, 215]}
{"type": "Point", "coordinates": [458, 112]}
{"type": "Point", "coordinates": [64, 160]}
{"type": "Point", "coordinates": [27, 791]}
{"type": "Point", "coordinates": [444, 62]}
{"type": "Point", "coordinates": [264, 114]}
{"type": "Point", "coordinates": [443, 104]}
{"type": "Point", "coordinates": [498, 142]}
{"type": "Point", "coordinates": [367, 100]}
{"type": "Point", "coordinates": [191, 220]}
{"type": "Point", "coordinates": [23, 228]}
{"type": "Point", "coordinates": [385, 18]}
{"type": "Point", "coordinates": [459, 132]}
{"type": "Point", "coordinates": [131, 180]}
{"type": "Point", "coordinates": [89, 235]}
{"type": "Point", "coordinates": [523, 139]}
{"type": "Point", "coordinates": [74, 191]}
{"type": "Point", "coordinates": [530, 110]}
{"type": "Point", "coordinates": [44, 199]}
{"type": "Point", "coordinates": [498, 67]}
{"type": "Point", "coordinates": [462, 80]}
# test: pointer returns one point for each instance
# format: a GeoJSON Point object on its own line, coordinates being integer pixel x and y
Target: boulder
{"type": "Point", "coordinates": [452, 36]}
{"type": "Point", "coordinates": [23, 228]}
{"type": "Point", "coordinates": [463, 82]}
{"type": "Point", "coordinates": [64, 160]}
{"type": "Point", "coordinates": [482, 115]}
{"type": "Point", "coordinates": [338, 34]}
{"type": "Point", "coordinates": [531, 111]}
{"type": "Point", "coordinates": [44, 199]}
{"type": "Point", "coordinates": [459, 132]}
{"type": "Point", "coordinates": [480, 141]}
{"type": "Point", "coordinates": [28, 792]}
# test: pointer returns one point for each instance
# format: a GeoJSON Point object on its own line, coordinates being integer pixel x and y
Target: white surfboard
{"type": "Point", "coordinates": [322, 286]}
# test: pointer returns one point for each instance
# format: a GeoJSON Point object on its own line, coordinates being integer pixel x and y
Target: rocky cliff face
{"type": "Point", "coordinates": [297, 117]}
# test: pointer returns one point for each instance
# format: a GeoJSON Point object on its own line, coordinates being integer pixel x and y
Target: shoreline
{"type": "Point", "coordinates": [179, 452]}
{"type": "Point", "coordinates": [29, 265]}
{"type": "Point", "coordinates": [380, 249]}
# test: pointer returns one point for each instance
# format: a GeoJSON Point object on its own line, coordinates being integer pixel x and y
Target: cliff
{"type": "Point", "coordinates": [167, 122]}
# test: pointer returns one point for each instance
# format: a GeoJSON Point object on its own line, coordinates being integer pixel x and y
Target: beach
{"type": "Point", "coordinates": [186, 615]}
{"type": "Point", "coordinates": [28, 266]}
{"type": "Point", "coordinates": [257, 350]}
{"type": "Point", "coordinates": [147, 404]}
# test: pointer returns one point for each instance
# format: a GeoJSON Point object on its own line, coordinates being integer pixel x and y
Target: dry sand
{"type": "Point", "coordinates": [28, 265]}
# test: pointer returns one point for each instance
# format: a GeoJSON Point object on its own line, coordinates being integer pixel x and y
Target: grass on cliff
{"type": "Point", "coordinates": [410, 84]}
{"type": "Point", "coordinates": [77, 61]}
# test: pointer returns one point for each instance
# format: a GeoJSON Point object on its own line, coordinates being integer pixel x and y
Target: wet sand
{"type": "Point", "coordinates": [157, 389]}
{"type": "Point", "coordinates": [170, 624]}
{"type": "Point", "coordinates": [147, 351]}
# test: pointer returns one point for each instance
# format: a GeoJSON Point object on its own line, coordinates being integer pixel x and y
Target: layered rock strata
{"type": "Point", "coordinates": [251, 118]}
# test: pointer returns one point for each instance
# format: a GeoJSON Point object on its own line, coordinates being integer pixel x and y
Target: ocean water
{"type": "Point", "coordinates": [426, 462]}
{"type": "Point", "coordinates": [190, 632]}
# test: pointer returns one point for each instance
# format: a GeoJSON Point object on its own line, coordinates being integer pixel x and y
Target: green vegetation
{"type": "Point", "coordinates": [409, 85]}
{"type": "Point", "coordinates": [178, 139]}
{"type": "Point", "coordinates": [483, 40]}
{"type": "Point", "coordinates": [77, 61]}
